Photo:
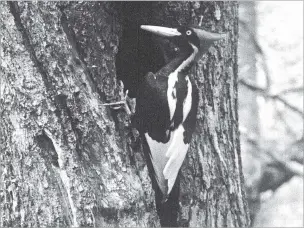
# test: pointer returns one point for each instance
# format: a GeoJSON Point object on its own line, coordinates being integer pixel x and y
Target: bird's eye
{"type": "Point", "coordinates": [188, 33]}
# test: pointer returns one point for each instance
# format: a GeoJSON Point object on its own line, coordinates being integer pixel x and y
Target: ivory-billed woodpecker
{"type": "Point", "coordinates": [166, 109]}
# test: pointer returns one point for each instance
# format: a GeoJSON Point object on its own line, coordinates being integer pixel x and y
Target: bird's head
{"type": "Point", "coordinates": [183, 36]}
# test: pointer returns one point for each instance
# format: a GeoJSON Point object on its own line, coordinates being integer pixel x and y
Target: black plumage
{"type": "Point", "coordinates": [153, 117]}
{"type": "Point", "coordinates": [152, 109]}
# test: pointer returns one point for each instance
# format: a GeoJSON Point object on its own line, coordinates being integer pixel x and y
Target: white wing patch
{"type": "Point", "coordinates": [176, 154]}
{"type": "Point", "coordinates": [167, 158]}
{"type": "Point", "coordinates": [158, 158]}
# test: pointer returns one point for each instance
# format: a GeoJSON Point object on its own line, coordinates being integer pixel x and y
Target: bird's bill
{"type": "Point", "coordinates": [161, 31]}
{"type": "Point", "coordinates": [209, 36]}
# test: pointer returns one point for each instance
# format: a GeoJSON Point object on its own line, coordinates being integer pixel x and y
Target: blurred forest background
{"type": "Point", "coordinates": [271, 110]}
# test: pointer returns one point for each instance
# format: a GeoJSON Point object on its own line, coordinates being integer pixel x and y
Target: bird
{"type": "Point", "coordinates": [166, 112]}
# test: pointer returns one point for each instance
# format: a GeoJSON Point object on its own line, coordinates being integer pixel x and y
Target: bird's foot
{"type": "Point", "coordinates": [125, 104]}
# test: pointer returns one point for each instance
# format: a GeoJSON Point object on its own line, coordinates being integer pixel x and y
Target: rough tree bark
{"type": "Point", "coordinates": [68, 160]}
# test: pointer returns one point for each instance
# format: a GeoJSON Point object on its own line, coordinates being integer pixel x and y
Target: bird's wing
{"type": "Point", "coordinates": [152, 110]}
{"type": "Point", "coordinates": [175, 154]}
{"type": "Point", "coordinates": [159, 160]}
{"type": "Point", "coordinates": [167, 158]}
{"type": "Point", "coordinates": [152, 119]}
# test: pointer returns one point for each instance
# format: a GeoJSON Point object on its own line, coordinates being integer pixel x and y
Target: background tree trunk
{"type": "Point", "coordinates": [248, 106]}
{"type": "Point", "coordinates": [66, 159]}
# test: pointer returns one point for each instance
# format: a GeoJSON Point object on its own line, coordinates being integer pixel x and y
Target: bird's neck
{"type": "Point", "coordinates": [180, 63]}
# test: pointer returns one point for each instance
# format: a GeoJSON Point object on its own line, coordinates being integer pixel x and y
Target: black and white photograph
{"type": "Point", "coordinates": [151, 114]}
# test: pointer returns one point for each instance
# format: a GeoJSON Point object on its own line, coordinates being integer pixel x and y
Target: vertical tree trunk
{"type": "Point", "coordinates": [64, 156]}
{"type": "Point", "coordinates": [210, 195]}
{"type": "Point", "coordinates": [248, 106]}
{"type": "Point", "coordinates": [68, 160]}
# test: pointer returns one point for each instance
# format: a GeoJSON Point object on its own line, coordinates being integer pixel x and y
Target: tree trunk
{"type": "Point", "coordinates": [248, 106]}
{"type": "Point", "coordinates": [69, 160]}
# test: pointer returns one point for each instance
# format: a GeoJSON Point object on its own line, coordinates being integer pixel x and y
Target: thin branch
{"type": "Point", "coordinates": [291, 90]}
{"type": "Point", "coordinates": [265, 93]}
{"type": "Point", "coordinates": [287, 164]}
{"type": "Point", "coordinates": [295, 109]}
{"type": "Point", "coordinates": [265, 154]}
{"type": "Point", "coordinates": [289, 129]}
{"type": "Point", "coordinates": [251, 86]}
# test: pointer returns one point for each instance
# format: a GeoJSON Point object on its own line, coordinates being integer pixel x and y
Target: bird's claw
{"type": "Point", "coordinates": [120, 104]}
